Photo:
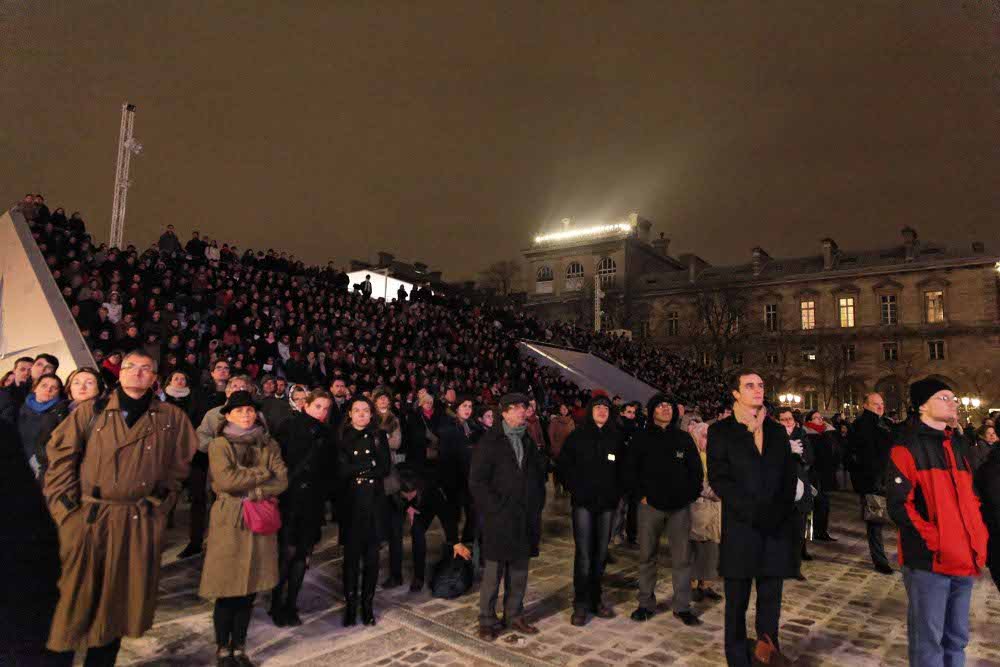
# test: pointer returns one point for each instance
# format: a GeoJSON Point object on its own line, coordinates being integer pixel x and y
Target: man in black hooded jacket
{"type": "Point", "coordinates": [664, 472]}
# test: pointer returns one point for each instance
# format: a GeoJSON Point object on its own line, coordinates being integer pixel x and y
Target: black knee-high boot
{"type": "Point", "coordinates": [296, 575]}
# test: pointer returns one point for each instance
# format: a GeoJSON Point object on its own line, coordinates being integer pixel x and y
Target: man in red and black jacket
{"type": "Point", "coordinates": [942, 537]}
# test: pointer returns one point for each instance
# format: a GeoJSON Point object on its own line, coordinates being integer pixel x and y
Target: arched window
{"type": "Point", "coordinates": [574, 276]}
{"type": "Point", "coordinates": [606, 270]}
{"type": "Point", "coordinates": [543, 280]}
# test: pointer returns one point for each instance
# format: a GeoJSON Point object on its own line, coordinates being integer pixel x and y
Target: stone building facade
{"type": "Point", "coordinates": [826, 328]}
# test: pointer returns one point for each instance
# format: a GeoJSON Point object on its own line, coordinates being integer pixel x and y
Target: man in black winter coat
{"type": "Point", "coordinates": [589, 465]}
{"type": "Point", "coordinates": [507, 481]}
{"type": "Point", "coordinates": [750, 467]}
{"type": "Point", "coordinates": [869, 442]}
{"type": "Point", "coordinates": [664, 472]}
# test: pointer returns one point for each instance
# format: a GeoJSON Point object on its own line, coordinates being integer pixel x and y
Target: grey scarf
{"type": "Point", "coordinates": [514, 434]}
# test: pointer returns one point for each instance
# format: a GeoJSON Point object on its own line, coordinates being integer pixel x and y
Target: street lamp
{"type": "Point", "coordinates": [789, 399]}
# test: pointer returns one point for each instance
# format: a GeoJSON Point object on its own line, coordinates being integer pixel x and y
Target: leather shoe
{"type": "Point", "coordinates": [487, 633]}
{"type": "Point", "coordinates": [824, 538]}
{"type": "Point", "coordinates": [884, 569]}
{"type": "Point", "coordinates": [190, 550]}
{"type": "Point", "coordinates": [642, 614]}
{"type": "Point", "coordinates": [687, 618]}
{"type": "Point", "coordinates": [392, 582]}
{"type": "Point", "coordinates": [579, 618]}
{"type": "Point", "coordinates": [417, 586]}
{"type": "Point", "coordinates": [697, 594]}
{"type": "Point", "coordinates": [806, 556]}
{"type": "Point", "coordinates": [711, 594]}
{"type": "Point", "coordinates": [522, 626]}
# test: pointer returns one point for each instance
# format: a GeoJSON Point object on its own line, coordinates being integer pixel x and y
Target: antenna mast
{"type": "Point", "coordinates": [127, 146]}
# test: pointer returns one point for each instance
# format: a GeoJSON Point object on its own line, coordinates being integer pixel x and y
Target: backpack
{"type": "Point", "coordinates": [452, 577]}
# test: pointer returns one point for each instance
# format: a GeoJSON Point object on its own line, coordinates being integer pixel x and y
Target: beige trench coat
{"type": "Point", "coordinates": [238, 562]}
{"type": "Point", "coordinates": [110, 546]}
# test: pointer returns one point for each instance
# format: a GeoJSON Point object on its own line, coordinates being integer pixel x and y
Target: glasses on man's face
{"type": "Point", "coordinates": [138, 368]}
{"type": "Point", "coordinates": [947, 399]}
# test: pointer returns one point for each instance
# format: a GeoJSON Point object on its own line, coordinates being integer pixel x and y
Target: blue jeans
{"type": "Point", "coordinates": [591, 532]}
{"type": "Point", "coordinates": [937, 618]}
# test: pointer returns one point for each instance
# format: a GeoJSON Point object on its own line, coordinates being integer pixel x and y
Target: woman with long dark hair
{"type": "Point", "coordinates": [363, 458]}
{"type": "Point", "coordinates": [83, 384]}
{"type": "Point", "coordinates": [308, 448]}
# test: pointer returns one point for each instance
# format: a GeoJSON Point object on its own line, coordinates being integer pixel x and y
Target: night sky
{"type": "Point", "coordinates": [452, 132]}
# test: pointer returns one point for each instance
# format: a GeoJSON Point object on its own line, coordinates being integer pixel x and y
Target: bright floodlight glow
{"type": "Point", "coordinates": [965, 401]}
{"type": "Point", "coordinates": [596, 230]}
{"type": "Point", "coordinates": [976, 403]}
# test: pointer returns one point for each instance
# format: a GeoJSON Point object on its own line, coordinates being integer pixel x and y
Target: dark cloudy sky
{"type": "Point", "coordinates": [452, 132]}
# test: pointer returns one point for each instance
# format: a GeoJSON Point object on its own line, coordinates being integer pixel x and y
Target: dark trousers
{"type": "Point", "coordinates": [632, 520]}
{"type": "Point", "coordinates": [875, 544]}
{"type": "Point", "coordinates": [232, 620]}
{"type": "Point", "coordinates": [514, 575]}
{"type": "Point", "coordinates": [591, 533]}
{"type": "Point", "coordinates": [394, 520]}
{"type": "Point", "coordinates": [198, 485]}
{"type": "Point", "coordinates": [97, 656]}
{"type": "Point", "coordinates": [469, 530]}
{"type": "Point", "coordinates": [418, 535]}
{"type": "Point", "coordinates": [768, 615]}
{"type": "Point", "coordinates": [821, 512]}
{"type": "Point", "coordinates": [360, 555]}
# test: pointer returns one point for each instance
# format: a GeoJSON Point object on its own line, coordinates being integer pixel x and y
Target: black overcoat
{"type": "Point", "coordinates": [758, 499]}
{"type": "Point", "coordinates": [310, 452]}
{"type": "Point", "coordinates": [510, 498]}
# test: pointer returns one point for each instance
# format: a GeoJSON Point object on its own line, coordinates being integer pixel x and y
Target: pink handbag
{"type": "Point", "coordinates": [262, 516]}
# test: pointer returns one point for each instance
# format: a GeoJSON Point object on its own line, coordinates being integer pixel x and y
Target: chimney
{"type": "Point", "coordinates": [642, 226]}
{"type": "Point", "coordinates": [759, 261]}
{"type": "Point", "coordinates": [662, 245]}
{"type": "Point", "coordinates": [385, 258]}
{"type": "Point", "coordinates": [830, 253]}
{"type": "Point", "coordinates": [910, 243]}
{"type": "Point", "coordinates": [978, 247]}
{"type": "Point", "coordinates": [695, 265]}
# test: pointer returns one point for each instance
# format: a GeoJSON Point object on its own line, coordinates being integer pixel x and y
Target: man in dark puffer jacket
{"type": "Point", "coordinates": [664, 472]}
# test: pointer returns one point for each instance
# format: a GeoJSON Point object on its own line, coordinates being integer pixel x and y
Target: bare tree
{"type": "Point", "coordinates": [720, 327]}
{"type": "Point", "coordinates": [832, 366]}
{"type": "Point", "coordinates": [501, 276]}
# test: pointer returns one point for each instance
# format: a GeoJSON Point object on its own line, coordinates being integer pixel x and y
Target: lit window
{"type": "Point", "coordinates": [889, 309]}
{"type": "Point", "coordinates": [846, 307]}
{"type": "Point", "coordinates": [934, 306]}
{"type": "Point", "coordinates": [809, 354]}
{"type": "Point", "coordinates": [606, 269]}
{"type": "Point", "coordinates": [543, 280]}
{"type": "Point", "coordinates": [673, 323]}
{"type": "Point", "coordinates": [935, 350]}
{"type": "Point", "coordinates": [809, 401]}
{"type": "Point", "coordinates": [771, 317]}
{"type": "Point", "coordinates": [808, 314]}
{"type": "Point", "coordinates": [890, 351]}
{"type": "Point", "coordinates": [574, 276]}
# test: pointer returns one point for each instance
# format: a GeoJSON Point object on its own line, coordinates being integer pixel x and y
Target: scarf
{"type": "Point", "coordinates": [241, 436]}
{"type": "Point", "coordinates": [514, 434]}
{"type": "Point", "coordinates": [754, 423]}
{"type": "Point", "coordinates": [177, 392]}
{"type": "Point", "coordinates": [39, 408]}
{"type": "Point", "coordinates": [133, 408]}
{"type": "Point", "coordinates": [816, 428]}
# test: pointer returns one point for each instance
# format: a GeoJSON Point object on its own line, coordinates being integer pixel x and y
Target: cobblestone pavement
{"type": "Point", "coordinates": [845, 614]}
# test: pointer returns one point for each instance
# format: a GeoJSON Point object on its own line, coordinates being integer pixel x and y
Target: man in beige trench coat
{"type": "Point", "coordinates": [109, 493]}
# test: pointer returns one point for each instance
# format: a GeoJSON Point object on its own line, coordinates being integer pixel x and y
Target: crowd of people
{"type": "Point", "coordinates": [286, 404]}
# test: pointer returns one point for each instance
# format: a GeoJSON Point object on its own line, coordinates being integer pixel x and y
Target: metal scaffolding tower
{"type": "Point", "coordinates": [127, 146]}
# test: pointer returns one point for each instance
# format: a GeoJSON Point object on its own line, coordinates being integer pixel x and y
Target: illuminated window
{"type": "Point", "coordinates": [889, 309]}
{"type": "Point", "coordinates": [606, 269]}
{"type": "Point", "coordinates": [673, 323]}
{"type": "Point", "coordinates": [809, 400]}
{"type": "Point", "coordinates": [543, 280]}
{"type": "Point", "coordinates": [809, 354]}
{"type": "Point", "coordinates": [808, 309]}
{"type": "Point", "coordinates": [771, 317]}
{"type": "Point", "coordinates": [574, 276]}
{"type": "Point", "coordinates": [846, 306]}
{"type": "Point", "coordinates": [934, 306]}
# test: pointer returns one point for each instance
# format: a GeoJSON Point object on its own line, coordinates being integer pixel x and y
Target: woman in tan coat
{"type": "Point", "coordinates": [245, 464]}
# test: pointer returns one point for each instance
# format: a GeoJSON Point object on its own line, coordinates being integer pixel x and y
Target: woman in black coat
{"type": "Point", "coordinates": [177, 391]}
{"type": "Point", "coordinates": [589, 464]}
{"type": "Point", "coordinates": [44, 399]}
{"type": "Point", "coordinates": [988, 487]}
{"type": "Point", "coordinates": [309, 451]}
{"type": "Point", "coordinates": [363, 463]}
